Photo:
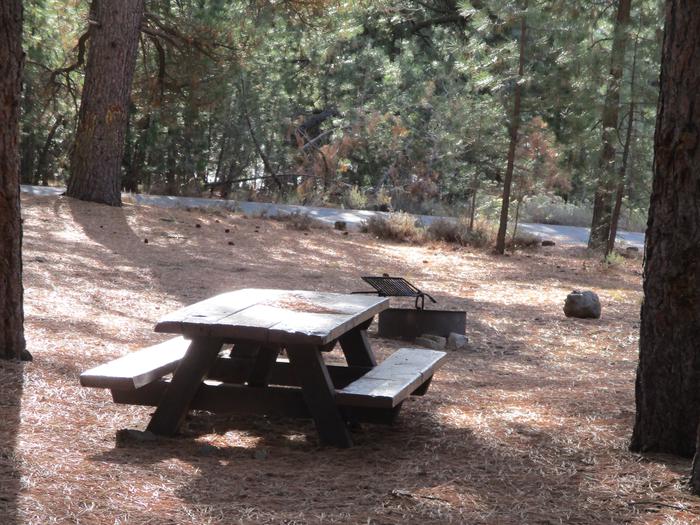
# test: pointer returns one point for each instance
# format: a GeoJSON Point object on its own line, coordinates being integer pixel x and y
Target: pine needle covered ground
{"type": "Point", "coordinates": [530, 424]}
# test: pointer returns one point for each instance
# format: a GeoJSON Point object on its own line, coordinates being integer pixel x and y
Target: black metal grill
{"type": "Point", "coordinates": [386, 286]}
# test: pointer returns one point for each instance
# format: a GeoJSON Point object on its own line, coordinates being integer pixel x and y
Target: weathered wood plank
{"type": "Point", "coordinates": [349, 304]}
{"type": "Point", "coordinates": [311, 328]}
{"type": "Point", "coordinates": [187, 379]}
{"type": "Point", "coordinates": [274, 316]}
{"type": "Point", "coordinates": [408, 361]}
{"type": "Point", "coordinates": [319, 394]}
{"type": "Point", "coordinates": [227, 399]}
{"type": "Point", "coordinates": [423, 389]}
{"type": "Point", "coordinates": [392, 381]}
{"type": "Point", "coordinates": [139, 368]}
{"type": "Point", "coordinates": [198, 316]}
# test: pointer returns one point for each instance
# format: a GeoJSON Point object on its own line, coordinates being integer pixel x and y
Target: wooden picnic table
{"type": "Point", "coordinates": [251, 378]}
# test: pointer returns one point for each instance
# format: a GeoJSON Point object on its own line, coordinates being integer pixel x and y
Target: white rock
{"type": "Point", "coordinates": [456, 341]}
{"type": "Point", "coordinates": [434, 342]}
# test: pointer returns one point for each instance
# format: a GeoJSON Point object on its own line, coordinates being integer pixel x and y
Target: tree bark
{"type": "Point", "coordinates": [12, 342]}
{"type": "Point", "coordinates": [668, 374]}
{"type": "Point", "coordinates": [42, 165]}
{"type": "Point", "coordinates": [514, 126]}
{"type": "Point", "coordinates": [472, 206]}
{"type": "Point", "coordinates": [602, 204]}
{"type": "Point", "coordinates": [261, 154]}
{"type": "Point", "coordinates": [622, 175]}
{"type": "Point", "coordinates": [695, 469]}
{"type": "Point", "coordinates": [99, 142]}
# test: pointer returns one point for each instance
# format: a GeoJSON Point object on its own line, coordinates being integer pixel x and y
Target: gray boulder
{"type": "Point", "coordinates": [456, 341]}
{"type": "Point", "coordinates": [584, 305]}
{"type": "Point", "coordinates": [434, 342]}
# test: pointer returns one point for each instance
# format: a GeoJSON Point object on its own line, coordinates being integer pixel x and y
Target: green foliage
{"type": "Point", "coordinates": [614, 259]}
{"type": "Point", "coordinates": [355, 199]}
{"type": "Point", "coordinates": [299, 101]}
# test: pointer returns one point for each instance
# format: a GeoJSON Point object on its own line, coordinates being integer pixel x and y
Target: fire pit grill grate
{"type": "Point", "coordinates": [397, 287]}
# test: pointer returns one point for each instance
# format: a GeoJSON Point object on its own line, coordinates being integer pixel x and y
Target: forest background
{"type": "Point", "coordinates": [392, 104]}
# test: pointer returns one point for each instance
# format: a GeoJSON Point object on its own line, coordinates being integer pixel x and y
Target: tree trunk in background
{"type": "Point", "coordinates": [134, 176]}
{"type": "Point", "coordinates": [602, 204]}
{"type": "Point", "coordinates": [12, 343]}
{"type": "Point", "coordinates": [514, 126]}
{"type": "Point", "coordinates": [472, 206]}
{"type": "Point", "coordinates": [668, 375]}
{"type": "Point", "coordinates": [622, 176]}
{"type": "Point", "coordinates": [27, 165]}
{"type": "Point", "coordinates": [43, 164]}
{"type": "Point", "coordinates": [99, 142]}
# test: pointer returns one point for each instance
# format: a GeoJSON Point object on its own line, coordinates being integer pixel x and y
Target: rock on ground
{"type": "Point", "coordinates": [583, 305]}
{"type": "Point", "coordinates": [434, 342]}
{"type": "Point", "coordinates": [456, 341]}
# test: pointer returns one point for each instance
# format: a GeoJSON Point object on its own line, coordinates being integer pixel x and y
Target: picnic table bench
{"type": "Point", "coordinates": [252, 378]}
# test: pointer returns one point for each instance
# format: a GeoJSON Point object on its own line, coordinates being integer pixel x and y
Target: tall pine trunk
{"type": "Point", "coordinates": [43, 163]}
{"type": "Point", "coordinates": [668, 374]}
{"type": "Point", "coordinates": [602, 204]}
{"type": "Point", "coordinates": [99, 141]}
{"type": "Point", "coordinates": [12, 343]}
{"type": "Point", "coordinates": [514, 127]}
{"type": "Point", "coordinates": [622, 176]}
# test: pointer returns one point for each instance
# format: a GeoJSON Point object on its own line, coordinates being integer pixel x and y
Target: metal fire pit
{"type": "Point", "coordinates": [409, 323]}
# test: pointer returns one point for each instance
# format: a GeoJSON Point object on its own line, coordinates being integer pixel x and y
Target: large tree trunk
{"type": "Point", "coordinates": [12, 343]}
{"type": "Point", "coordinates": [602, 204]}
{"type": "Point", "coordinates": [514, 126]}
{"type": "Point", "coordinates": [99, 141]}
{"type": "Point", "coordinates": [668, 375]}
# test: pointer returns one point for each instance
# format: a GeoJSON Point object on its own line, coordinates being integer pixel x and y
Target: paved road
{"type": "Point", "coordinates": [568, 235]}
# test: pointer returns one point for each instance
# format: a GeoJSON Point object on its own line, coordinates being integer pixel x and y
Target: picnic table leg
{"type": "Point", "coordinates": [262, 367]}
{"type": "Point", "coordinates": [187, 379]}
{"type": "Point", "coordinates": [308, 366]}
{"type": "Point", "coordinates": [258, 361]}
{"type": "Point", "coordinates": [355, 345]}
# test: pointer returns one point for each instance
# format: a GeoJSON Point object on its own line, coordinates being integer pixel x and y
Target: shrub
{"type": "Point", "coordinates": [382, 200]}
{"type": "Point", "coordinates": [355, 199]}
{"type": "Point", "coordinates": [447, 230]}
{"type": "Point", "coordinates": [457, 231]}
{"type": "Point", "coordinates": [296, 220]}
{"type": "Point", "coordinates": [524, 240]}
{"type": "Point", "coordinates": [614, 259]}
{"type": "Point", "coordinates": [395, 226]}
{"type": "Point", "coordinates": [483, 233]}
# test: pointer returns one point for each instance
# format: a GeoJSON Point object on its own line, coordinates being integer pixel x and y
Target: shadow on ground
{"type": "Point", "coordinates": [399, 474]}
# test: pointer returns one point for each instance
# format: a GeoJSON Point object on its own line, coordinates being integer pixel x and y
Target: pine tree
{"type": "Point", "coordinates": [12, 343]}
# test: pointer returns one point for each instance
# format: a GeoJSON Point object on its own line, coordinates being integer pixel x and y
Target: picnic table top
{"type": "Point", "coordinates": [274, 316]}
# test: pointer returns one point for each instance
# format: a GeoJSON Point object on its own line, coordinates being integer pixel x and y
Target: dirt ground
{"type": "Point", "coordinates": [529, 424]}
